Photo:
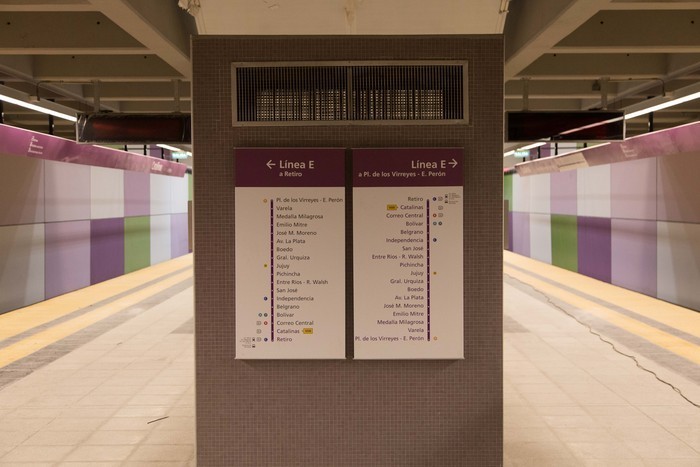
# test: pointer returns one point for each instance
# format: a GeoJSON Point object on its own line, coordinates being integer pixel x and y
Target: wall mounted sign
{"type": "Point", "coordinates": [290, 253]}
{"type": "Point", "coordinates": [407, 247]}
{"type": "Point", "coordinates": [25, 143]}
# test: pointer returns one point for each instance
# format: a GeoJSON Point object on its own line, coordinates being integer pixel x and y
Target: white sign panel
{"type": "Point", "coordinates": [290, 254]}
{"type": "Point", "coordinates": [408, 253]}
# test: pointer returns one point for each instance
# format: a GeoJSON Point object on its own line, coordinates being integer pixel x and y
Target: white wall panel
{"type": "Point", "coordinates": [67, 191]}
{"type": "Point", "coordinates": [593, 186]}
{"type": "Point", "coordinates": [541, 237]}
{"type": "Point", "coordinates": [106, 193]}
{"type": "Point", "coordinates": [521, 193]}
{"type": "Point", "coordinates": [160, 238]}
{"type": "Point", "coordinates": [678, 188]}
{"type": "Point", "coordinates": [21, 190]}
{"type": "Point", "coordinates": [540, 197]}
{"type": "Point", "coordinates": [21, 266]}
{"type": "Point", "coordinates": [160, 194]}
{"type": "Point", "coordinates": [678, 263]}
{"type": "Point", "coordinates": [179, 194]}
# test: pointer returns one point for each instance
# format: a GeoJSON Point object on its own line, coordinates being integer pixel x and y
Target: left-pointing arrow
{"type": "Point", "coordinates": [270, 164]}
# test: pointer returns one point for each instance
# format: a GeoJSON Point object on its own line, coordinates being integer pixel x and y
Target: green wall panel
{"type": "Point", "coordinates": [189, 186]}
{"type": "Point", "coordinates": [508, 190]}
{"type": "Point", "coordinates": [137, 243]}
{"type": "Point", "coordinates": [565, 242]}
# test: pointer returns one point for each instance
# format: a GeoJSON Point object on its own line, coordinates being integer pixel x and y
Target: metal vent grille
{"type": "Point", "coordinates": [356, 92]}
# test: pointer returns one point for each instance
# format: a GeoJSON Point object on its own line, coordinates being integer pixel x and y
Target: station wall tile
{"type": "Point", "coordinates": [565, 242]}
{"type": "Point", "coordinates": [22, 260]}
{"type": "Point", "coordinates": [178, 235]}
{"type": "Point", "coordinates": [160, 239]}
{"type": "Point", "coordinates": [521, 233]}
{"type": "Point", "coordinates": [106, 249]}
{"type": "Point", "coordinates": [679, 188]}
{"type": "Point", "coordinates": [67, 192]}
{"type": "Point", "coordinates": [678, 263]}
{"type": "Point", "coordinates": [594, 244]}
{"type": "Point", "coordinates": [137, 243]}
{"type": "Point", "coordinates": [67, 257]}
{"type": "Point", "coordinates": [137, 194]}
{"type": "Point", "coordinates": [541, 237]}
{"type": "Point", "coordinates": [160, 194]}
{"type": "Point", "coordinates": [21, 190]}
{"type": "Point", "coordinates": [633, 189]}
{"type": "Point", "coordinates": [593, 188]}
{"type": "Point", "coordinates": [521, 193]}
{"type": "Point", "coordinates": [633, 255]}
{"type": "Point", "coordinates": [563, 190]}
{"type": "Point", "coordinates": [540, 194]}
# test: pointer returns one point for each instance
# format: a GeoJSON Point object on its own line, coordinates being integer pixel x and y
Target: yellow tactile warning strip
{"type": "Point", "coordinates": [24, 319]}
{"type": "Point", "coordinates": [672, 316]}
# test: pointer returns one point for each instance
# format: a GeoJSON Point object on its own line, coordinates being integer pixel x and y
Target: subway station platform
{"type": "Point", "coordinates": [594, 374]}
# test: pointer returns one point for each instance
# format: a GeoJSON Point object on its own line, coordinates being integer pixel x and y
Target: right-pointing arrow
{"type": "Point", "coordinates": [453, 163]}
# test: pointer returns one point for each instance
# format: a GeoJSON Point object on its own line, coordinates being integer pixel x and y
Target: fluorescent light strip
{"type": "Point", "coordinates": [663, 105]}
{"type": "Point", "coordinates": [27, 105]}
{"type": "Point", "coordinates": [172, 148]}
{"type": "Point", "coordinates": [531, 146]}
{"type": "Point", "coordinates": [524, 148]}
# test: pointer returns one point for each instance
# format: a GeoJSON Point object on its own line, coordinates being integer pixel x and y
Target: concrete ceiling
{"type": "Point", "coordinates": [134, 54]}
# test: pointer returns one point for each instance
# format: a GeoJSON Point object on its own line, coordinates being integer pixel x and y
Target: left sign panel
{"type": "Point", "coordinates": [290, 253]}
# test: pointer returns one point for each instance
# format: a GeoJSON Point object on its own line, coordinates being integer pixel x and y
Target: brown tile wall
{"type": "Point", "coordinates": [348, 413]}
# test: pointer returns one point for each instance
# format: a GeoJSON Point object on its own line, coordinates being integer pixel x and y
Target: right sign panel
{"type": "Point", "coordinates": [408, 253]}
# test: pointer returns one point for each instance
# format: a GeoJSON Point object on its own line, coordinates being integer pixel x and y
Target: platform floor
{"type": "Point", "coordinates": [105, 376]}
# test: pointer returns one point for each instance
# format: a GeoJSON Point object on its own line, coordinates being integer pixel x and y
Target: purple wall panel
{"type": "Point", "coordinates": [178, 232]}
{"type": "Point", "coordinates": [633, 189]}
{"type": "Point", "coordinates": [67, 256]}
{"type": "Point", "coordinates": [634, 255]}
{"type": "Point", "coordinates": [564, 193]}
{"type": "Point", "coordinates": [137, 194]}
{"type": "Point", "coordinates": [107, 249]}
{"type": "Point", "coordinates": [510, 231]}
{"type": "Point", "coordinates": [520, 240]}
{"type": "Point", "coordinates": [594, 247]}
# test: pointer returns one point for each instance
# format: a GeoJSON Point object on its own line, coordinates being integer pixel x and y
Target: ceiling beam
{"type": "Point", "coordinates": [55, 34]}
{"type": "Point", "coordinates": [677, 67]}
{"type": "Point", "coordinates": [538, 25]}
{"type": "Point", "coordinates": [154, 107]}
{"type": "Point", "coordinates": [636, 29]}
{"type": "Point", "coordinates": [667, 5]}
{"type": "Point", "coordinates": [157, 24]}
{"type": "Point", "coordinates": [73, 51]}
{"type": "Point", "coordinates": [624, 49]}
{"type": "Point", "coordinates": [614, 66]}
{"type": "Point", "coordinates": [102, 68]}
{"type": "Point", "coordinates": [155, 91]}
{"type": "Point", "coordinates": [46, 5]}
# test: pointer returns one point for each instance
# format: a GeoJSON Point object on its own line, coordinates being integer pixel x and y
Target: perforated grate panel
{"type": "Point", "coordinates": [350, 92]}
